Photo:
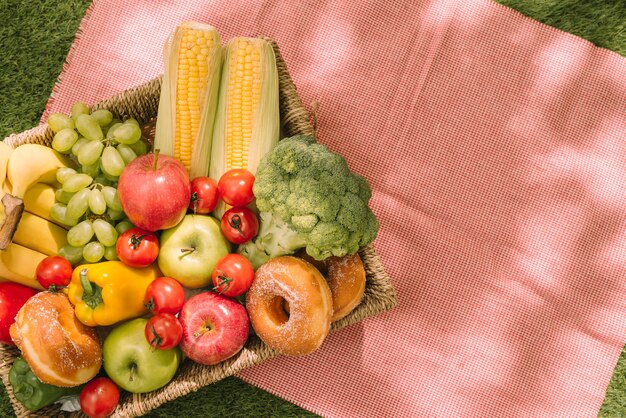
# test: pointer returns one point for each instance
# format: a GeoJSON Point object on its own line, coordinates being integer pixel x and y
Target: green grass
{"type": "Point", "coordinates": [602, 22]}
{"type": "Point", "coordinates": [36, 36]}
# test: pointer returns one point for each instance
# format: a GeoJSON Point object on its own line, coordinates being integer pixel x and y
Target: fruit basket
{"type": "Point", "coordinates": [142, 103]}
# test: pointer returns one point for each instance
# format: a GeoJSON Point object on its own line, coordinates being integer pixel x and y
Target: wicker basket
{"type": "Point", "coordinates": [142, 103]}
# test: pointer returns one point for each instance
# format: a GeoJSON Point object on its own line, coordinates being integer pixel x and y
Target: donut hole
{"type": "Point", "coordinates": [279, 311]}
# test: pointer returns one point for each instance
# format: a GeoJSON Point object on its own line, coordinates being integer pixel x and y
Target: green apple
{"type": "Point", "coordinates": [132, 363]}
{"type": "Point", "coordinates": [190, 250]}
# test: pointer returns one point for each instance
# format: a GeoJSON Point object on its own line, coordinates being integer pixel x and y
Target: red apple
{"type": "Point", "coordinates": [214, 328]}
{"type": "Point", "coordinates": [154, 191]}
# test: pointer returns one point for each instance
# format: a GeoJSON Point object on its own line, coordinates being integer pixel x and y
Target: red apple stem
{"type": "Point", "coordinates": [156, 158]}
{"type": "Point", "coordinates": [203, 330]}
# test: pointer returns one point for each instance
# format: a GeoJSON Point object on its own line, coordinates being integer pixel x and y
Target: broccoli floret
{"type": "Point", "coordinates": [309, 198]}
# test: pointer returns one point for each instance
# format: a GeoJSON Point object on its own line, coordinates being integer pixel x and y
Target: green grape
{"type": "Point", "coordinates": [58, 212]}
{"type": "Point", "coordinates": [139, 147]}
{"type": "Point", "coordinates": [132, 120]}
{"type": "Point", "coordinates": [112, 162]}
{"type": "Point", "coordinates": [76, 182]}
{"type": "Point", "coordinates": [79, 143]}
{"type": "Point", "coordinates": [79, 108]}
{"type": "Point", "coordinates": [78, 204]}
{"type": "Point", "coordinates": [90, 152]}
{"type": "Point", "coordinates": [112, 129]}
{"type": "Point", "coordinates": [112, 179]}
{"type": "Point", "coordinates": [64, 140]}
{"type": "Point", "coordinates": [59, 121]}
{"type": "Point", "coordinates": [105, 232]}
{"type": "Point", "coordinates": [64, 173]}
{"type": "Point", "coordinates": [80, 234]}
{"type": "Point", "coordinates": [102, 116]}
{"type": "Point", "coordinates": [93, 252]}
{"type": "Point", "coordinates": [112, 199]}
{"type": "Point", "coordinates": [93, 170]}
{"type": "Point", "coordinates": [128, 133]}
{"type": "Point", "coordinates": [89, 128]}
{"type": "Point", "coordinates": [62, 196]}
{"type": "Point", "coordinates": [123, 226]}
{"type": "Point", "coordinates": [126, 152]}
{"type": "Point", "coordinates": [102, 181]}
{"type": "Point", "coordinates": [115, 215]}
{"type": "Point", "coordinates": [97, 204]}
{"type": "Point", "coordinates": [110, 253]}
{"type": "Point", "coordinates": [72, 254]}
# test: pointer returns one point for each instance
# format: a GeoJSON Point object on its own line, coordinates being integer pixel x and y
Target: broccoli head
{"type": "Point", "coordinates": [309, 198]}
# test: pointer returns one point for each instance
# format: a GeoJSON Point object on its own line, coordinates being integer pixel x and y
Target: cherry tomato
{"type": "Point", "coordinates": [164, 331]}
{"type": "Point", "coordinates": [137, 247]}
{"type": "Point", "coordinates": [164, 295]}
{"type": "Point", "coordinates": [232, 275]}
{"type": "Point", "coordinates": [99, 398]}
{"type": "Point", "coordinates": [12, 297]}
{"type": "Point", "coordinates": [235, 187]}
{"type": "Point", "coordinates": [204, 195]}
{"type": "Point", "coordinates": [239, 225]}
{"type": "Point", "coordinates": [54, 272]}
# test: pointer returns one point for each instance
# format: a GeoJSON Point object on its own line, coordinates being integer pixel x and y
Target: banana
{"type": "Point", "coordinates": [28, 164]}
{"type": "Point", "coordinates": [5, 154]}
{"type": "Point", "coordinates": [18, 264]}
{"type": "Point", "coordinates": [39, 199]}
{"type": "Point", "coordinates": [40, 235]}
{"type": "Point", "coordinates": [33, 163]}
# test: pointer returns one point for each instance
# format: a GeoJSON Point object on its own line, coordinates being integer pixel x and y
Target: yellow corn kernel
{"type": "Point", "coordinates": [189, 94]}
{"type": "Point", "coordinates": [248, 121]}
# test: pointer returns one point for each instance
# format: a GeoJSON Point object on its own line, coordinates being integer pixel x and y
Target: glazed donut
{"type": "Point", "coordinates": [60, 350]}
{"type": "Point", "coordinates": [346, 279]}
{"type": "Point", "coordinates": [290, 306]}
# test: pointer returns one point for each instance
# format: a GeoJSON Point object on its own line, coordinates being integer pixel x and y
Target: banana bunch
{"type": "Point", "coordinates": [28, 234]}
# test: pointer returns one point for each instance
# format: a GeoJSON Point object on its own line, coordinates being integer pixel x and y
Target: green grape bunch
{"type": "Point", "coordinates": [87, 200]}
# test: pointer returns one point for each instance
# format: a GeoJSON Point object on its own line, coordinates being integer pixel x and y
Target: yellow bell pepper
{"type": "Point", "coordinates": [109, 292]}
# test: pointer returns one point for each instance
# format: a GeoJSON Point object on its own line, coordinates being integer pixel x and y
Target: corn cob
{"type": "Point", "coordinates": [247, 124]}
{"type": "Point", "coordinates": [189, 95]}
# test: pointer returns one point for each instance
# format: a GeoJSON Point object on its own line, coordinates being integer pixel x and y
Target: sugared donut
{"type": "Point", "coordinates": [60, 350]}
{"type": "Point", "coordinates": [290, 306]}
{"type": "Point", "coordinates": [346, 279]}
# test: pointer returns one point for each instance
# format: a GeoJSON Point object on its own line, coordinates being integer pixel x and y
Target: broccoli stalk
{"type": "Point", "coordinates": [275, 238]}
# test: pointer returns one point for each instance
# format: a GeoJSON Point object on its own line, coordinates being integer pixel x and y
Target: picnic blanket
{"type": "Point", "coordinates": [495, 150]}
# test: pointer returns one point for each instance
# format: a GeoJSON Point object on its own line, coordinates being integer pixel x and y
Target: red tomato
{"type": "Point", "coordinates": [164, 331]}
{"type": "Point", "coordinates": [204, 195]}
{"type": "Point", "coordinates": [137, 247]}
{"type": "Point", "coordinates": [54, 272]}
{"type": "Point", "coordinates": [99, 398]}
{"type": "Point", "coordinates": [164, 295]}
{"type": "Point", "coordinates": [232, 275]}
{"type": "Point", "coordinates": [12, 297]}
{"type": "Point", "coordinates": [235, 187]}
{"type": "Point", "coordinates": [239, 225]}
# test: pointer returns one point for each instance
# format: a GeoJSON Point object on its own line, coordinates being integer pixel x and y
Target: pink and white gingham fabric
{"type": "Point", "coordinates": [495, 149]}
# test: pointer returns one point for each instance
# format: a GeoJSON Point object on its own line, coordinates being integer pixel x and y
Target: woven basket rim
{"type": "Point", "coordinates": [141, 102]}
